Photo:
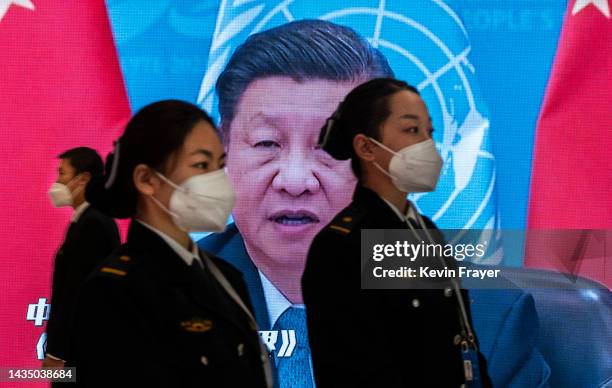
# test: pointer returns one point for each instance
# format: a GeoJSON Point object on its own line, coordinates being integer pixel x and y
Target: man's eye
{"type": "Point", "coordinates": [412, 130]}
{"type": "Point", "coordinates": [324, 156]}
{"type": "Point", "coordinates": [202, 165]}
{"type": "Point", "coordinates": [266, 144]}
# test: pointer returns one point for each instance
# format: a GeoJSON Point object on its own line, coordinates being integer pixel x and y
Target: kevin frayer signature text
{"type": "Point", "coordinates": [428, 273]}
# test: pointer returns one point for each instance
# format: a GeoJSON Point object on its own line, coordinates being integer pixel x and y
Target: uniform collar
{"type": "Point", "coordinates": [381, 214]}
{"type": "Point", "coordinates": [79, 211]}
{"type": "Point", "coordinates": [186, 255]}
{"type": "Point", "coordinates": [410, 212]}
{"type": "Point", "coordinates": [364, 195]}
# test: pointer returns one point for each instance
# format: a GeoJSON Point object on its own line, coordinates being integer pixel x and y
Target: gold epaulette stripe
{"type": "Point", "coordinates": [113, 271]}
{"type": "Point", "coordinates": [341, 229]}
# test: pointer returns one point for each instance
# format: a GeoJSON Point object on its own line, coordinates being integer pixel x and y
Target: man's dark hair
{"type": "Point", "coordinates": [83, 159]}
{"type": "Point", "coordinates": [302, 50]}
{"type": "Point", "coordinates": [363, 110]}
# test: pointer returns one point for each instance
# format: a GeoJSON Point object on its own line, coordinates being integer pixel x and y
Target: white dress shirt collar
{"type": "Point", "coordinates": [276, 302]}
{"type": "Point", "coordinates": [79, 211]}
{"type": "Point", "coordinates": [183, 253]}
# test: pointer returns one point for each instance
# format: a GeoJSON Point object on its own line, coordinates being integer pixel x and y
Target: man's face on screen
{"type": "Point", "coordinates": [286, 188]}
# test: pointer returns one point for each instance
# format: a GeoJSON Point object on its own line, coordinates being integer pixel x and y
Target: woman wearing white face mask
{"type": "Point", "coordinates": [159, 312]}
{"type": "Point", "coordinates": [415, 336]}
{"type": "Point", "coordinates": [61, 195]}
{"type": "Point", "coordinates": [89, 239]}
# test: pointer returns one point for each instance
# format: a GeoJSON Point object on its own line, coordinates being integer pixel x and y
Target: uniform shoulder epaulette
{"type": "Point", "coordinates": [346, 221]}
{"type": "Point", "coordinates": [117, 265]}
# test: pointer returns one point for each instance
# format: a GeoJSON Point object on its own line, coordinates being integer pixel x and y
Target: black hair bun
{"type": "Point", "coordinates": [111, 197]}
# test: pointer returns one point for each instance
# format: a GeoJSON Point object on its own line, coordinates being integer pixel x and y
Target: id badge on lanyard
{"type": "Point", "coordinates": [471, 367]}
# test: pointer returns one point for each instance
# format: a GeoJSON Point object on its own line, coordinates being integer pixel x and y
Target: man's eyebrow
{"type": "Point", "coordinates": [266, 118]}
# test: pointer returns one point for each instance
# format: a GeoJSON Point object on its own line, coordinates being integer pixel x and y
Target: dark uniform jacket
{"type": "Point", "coordinates": [147, 319]}
{"type": "Point", "coordinates": [88, 241]}
{"type": "Point", "coordinates": [375, 338]}
{"type": "Point", "coordinates": [505, 319]}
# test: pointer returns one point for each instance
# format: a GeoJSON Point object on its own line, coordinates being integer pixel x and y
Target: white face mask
{"type": "Point", "coordinates": [61, 195]}
{"type": "Point", "coordinates": [202, 203]}
{"type": "Point", "coordinates": [414, 169]}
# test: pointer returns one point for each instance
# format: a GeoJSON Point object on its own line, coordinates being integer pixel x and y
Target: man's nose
{"type": "Point", "coordinates": [296, 175]}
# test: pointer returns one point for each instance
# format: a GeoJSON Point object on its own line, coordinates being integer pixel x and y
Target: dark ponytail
{"type": "Point", "coordinates": [151, 137]}
{"type": "Point", "coordinates": [363, 110]}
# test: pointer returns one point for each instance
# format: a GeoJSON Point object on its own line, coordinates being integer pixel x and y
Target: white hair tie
{"type": "Point", "coordinates": [328, 128]}
{"type": "Point", "coordinates": [113, 173]}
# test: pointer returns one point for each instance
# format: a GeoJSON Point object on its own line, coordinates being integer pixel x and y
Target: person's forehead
{"type": "Point", "coordinates": [408, 105]}
{"type": "Point", "coordinates": [203, 136]}
{"type": "Point", "coordinates": [202, 131]}
{"type": "Point", "coordinates": [65, 165]}
{"type": "Point", "coordinates": [282, 96]}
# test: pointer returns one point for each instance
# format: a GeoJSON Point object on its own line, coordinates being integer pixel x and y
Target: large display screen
{"type": "Point", "coordinates": [482, 67]}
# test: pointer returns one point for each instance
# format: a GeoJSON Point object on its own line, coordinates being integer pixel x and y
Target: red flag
{"type": "Point", "coordinates": [60, 87]}
{"type": "Point", "coordinates": [571, 184]}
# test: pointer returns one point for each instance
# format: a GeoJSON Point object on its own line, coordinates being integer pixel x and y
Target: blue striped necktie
{"type": "Point", "coordinates": [294, 371]}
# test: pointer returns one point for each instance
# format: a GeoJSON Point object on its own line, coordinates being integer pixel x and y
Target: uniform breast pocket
{"type": "Point", "coordinates": [202, 341]}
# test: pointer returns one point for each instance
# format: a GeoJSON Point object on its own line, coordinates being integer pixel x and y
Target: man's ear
{"type": "Point", "coordinates": [363, 147]}
{"type": "Point", "coordinates": [145, 179]}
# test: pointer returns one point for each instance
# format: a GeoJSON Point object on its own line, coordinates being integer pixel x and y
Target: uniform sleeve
{"type": "Point", "coordinates": [114, 339]}
{"type": "Point", "coordinates": [96, 241]}
{"type": "Point", "coordinates": [56, 325]}
{"type": "Point", "coordinates": [321, 295]}
{"type": "Point", "coordinates": [331, 290]}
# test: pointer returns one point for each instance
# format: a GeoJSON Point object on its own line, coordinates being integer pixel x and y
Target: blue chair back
{"type": "Point", "coordinates": [575, 326]}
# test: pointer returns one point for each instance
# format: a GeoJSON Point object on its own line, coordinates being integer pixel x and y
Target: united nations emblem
{"type": "Point", "coordinates": [427, 45]}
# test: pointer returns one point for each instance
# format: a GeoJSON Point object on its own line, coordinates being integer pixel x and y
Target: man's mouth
{"type": "Point", "coordinates": [294, 218]}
